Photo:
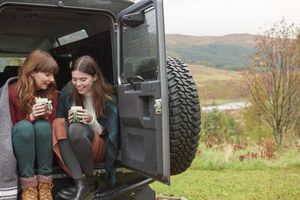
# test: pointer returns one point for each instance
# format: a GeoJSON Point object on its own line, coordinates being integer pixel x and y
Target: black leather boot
{"type": "Point", "coordinates": [67, 193]}
{"type": "Point", "coordinates": [81, 188]}
{"type": "Point", "coordinates": [91, 183]}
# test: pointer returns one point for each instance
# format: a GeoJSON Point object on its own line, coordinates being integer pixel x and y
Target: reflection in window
{"type": "Point", "coordinates": [73, 37]}
{"type": "Point", "coordinates": [139, 51]}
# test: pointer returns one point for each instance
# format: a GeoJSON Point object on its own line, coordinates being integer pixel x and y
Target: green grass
{"type": "Point", "coordinates": [214, 159]}
{"type": "Point", "coordinates": [217, 174]}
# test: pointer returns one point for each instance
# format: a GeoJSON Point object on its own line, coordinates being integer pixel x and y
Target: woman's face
{"type": "Point", "coordinates": [42, 80]}
{"type": "Point", "coordinates": [83, 82]}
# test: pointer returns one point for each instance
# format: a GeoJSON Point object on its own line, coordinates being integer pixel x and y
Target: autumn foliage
{"type": "Point", "coordinates": [272, 79]}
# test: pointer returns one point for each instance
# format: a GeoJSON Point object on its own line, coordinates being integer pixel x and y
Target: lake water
{"type": "Point", "coordinates": [227, 106]}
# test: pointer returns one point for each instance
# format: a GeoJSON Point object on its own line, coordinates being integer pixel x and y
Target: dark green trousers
{"type": "Point", "coordinates": [32, 143]}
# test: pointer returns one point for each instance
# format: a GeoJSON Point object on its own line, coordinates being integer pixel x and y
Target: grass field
{"type": "Point", "coordinates": [216, 85]}
{"type": "Point", "coordinates": [219, 173]}
{"type": "Point", "coordinates": [216, 176]}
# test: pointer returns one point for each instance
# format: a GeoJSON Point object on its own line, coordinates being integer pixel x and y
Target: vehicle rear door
{"type": "Point", "coordinates": [142, 90]}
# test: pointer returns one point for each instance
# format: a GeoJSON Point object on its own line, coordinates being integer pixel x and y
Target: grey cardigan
{"type": "Point", "coordinates": [8, 164]}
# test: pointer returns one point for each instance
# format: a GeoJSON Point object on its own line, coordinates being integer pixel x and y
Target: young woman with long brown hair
{"type": "Point", "coordinates": [32, 132]}
{"type": "Point", "coordinates": [91, 135]}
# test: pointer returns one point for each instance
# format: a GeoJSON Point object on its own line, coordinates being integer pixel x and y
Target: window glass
{"type": "Point", "coordinates": [6, 62]}
{"type": "Point", "coordinates": [73, 37]}
{"type": "Point", "coordinates": [139, 49]}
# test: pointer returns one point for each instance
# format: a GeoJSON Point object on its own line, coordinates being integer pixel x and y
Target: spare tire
{"type": "Point", "coordinates": [184, 116]}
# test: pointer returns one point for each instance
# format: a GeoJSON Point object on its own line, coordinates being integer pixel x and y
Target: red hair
{"type": "Point", "coordinates": [37, 61]}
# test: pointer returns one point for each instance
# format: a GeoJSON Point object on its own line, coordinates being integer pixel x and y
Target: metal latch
{"type": "Point", "coordinates": [157, 106]}
{"type": "Point", "coordinates": [60, 3]}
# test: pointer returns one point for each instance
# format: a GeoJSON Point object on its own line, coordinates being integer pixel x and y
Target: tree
{"type": "Point", "coordinates": [272, 78]}
{"type": "Point", "coordinates": [298, 63]}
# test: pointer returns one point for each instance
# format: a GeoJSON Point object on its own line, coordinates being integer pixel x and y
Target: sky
{"type": "Point", "coordinates": [221, 17]}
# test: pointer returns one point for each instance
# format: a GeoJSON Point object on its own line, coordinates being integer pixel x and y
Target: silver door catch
{"type": "Point", "coordinates": [157, 106]}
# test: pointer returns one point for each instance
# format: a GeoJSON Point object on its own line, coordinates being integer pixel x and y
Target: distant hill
{"type": "Point", "coordinates": [229, 51]}
{"type": "Point", "coordinates": [217, 86]}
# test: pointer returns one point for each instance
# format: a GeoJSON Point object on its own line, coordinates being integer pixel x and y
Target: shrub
{"type": "Point", "coordinates": [220, 127]}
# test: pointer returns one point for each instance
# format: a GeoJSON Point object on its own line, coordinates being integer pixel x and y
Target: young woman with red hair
{"type": "Point", "coordinates": [32, 132]}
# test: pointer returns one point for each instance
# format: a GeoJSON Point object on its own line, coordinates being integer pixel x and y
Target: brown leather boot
{"type": "Point", "coordinates": [30, 194]}
{"type": "Point", "coordinates": [29, 188]}
{"type": "Point", "coordinates": [45, 191]}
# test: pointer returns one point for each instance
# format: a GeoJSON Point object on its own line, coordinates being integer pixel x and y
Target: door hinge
{"type": "Point", "coordinates": [157, 106]}
{"type": "Point", "coordinates": [60, 4]}
{"type": "Point", "coordinates": [115, 27]}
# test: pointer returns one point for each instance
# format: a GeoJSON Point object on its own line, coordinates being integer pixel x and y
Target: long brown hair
{"type": "Point", "coordinates": [101, 88]}
{"type": "Point", "coordinates": [37, 61]}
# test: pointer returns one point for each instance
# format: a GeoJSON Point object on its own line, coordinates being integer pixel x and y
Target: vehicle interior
{"type": "Point", "coordinates": [66, 35]}
{"type": "Point", "coordinates": [70, 33]}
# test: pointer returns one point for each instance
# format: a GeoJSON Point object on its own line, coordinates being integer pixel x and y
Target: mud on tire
{"type": "Point", "coordinates": [184, 115]}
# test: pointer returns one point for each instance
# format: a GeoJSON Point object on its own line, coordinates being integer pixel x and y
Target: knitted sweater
{"type": "Point", "coordinates": [17, 114]}
{"type": "Point", "coordinates": [8, 164]}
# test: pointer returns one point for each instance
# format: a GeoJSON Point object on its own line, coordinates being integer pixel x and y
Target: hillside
{"type": "Point", "coordinates": [229, 51]}
{"type": "Point", "coordinates": [217, 85]}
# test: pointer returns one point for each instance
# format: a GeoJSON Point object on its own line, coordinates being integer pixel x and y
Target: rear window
{"type": "Point", "coordinates": [72, 37]}
{"type": "Point", "coordinates": [5, 62]}
{"type": "Point", "coordinates": [139, 49]}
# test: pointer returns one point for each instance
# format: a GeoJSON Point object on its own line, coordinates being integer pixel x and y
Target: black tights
{"type": "Point", "coordinates": [77, 151]}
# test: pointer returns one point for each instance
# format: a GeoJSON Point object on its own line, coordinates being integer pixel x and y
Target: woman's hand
{"type": "Point", "coordinates": [39, 110]}
{"type": "Point", "coordinates": [70, 116]}
{"type": "Point", "coordinates": [82, 114]}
